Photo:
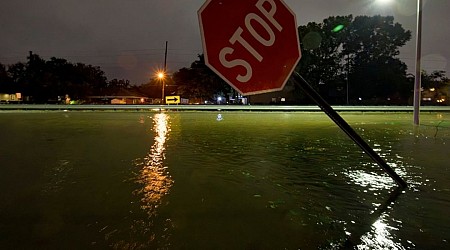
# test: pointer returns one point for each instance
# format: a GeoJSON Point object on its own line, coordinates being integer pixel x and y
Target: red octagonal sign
{"type": "Point", "coordinates": [252, 44]}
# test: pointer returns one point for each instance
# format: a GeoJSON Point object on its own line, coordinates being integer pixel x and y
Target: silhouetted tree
{"type": "Point", "coordinates": [6, 84]}
{"type": "Point", "coordinates": [359, 53]}
{"type": "Point", "coordinates": [44, 81]}
{"type": "Point", "coordinates": [89, 80]}
{"type": "Point", "coordinates": [17, 73]}
{"type": "Point", "coordinates": [436, 79]}
{"type": "Point", "coordinates": [436, 88]}
{"type": "Point", "coordinates": [115, 86]}
{"type": "Point", "coordinates": [322, 58]}
{"type": "Point", "coordinates": [373, 44]}
{"type": "Point", "coordinates": [199, 81]}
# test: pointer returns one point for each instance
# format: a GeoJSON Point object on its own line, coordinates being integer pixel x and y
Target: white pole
{"type": "Point", "coordinates": [417, 82]}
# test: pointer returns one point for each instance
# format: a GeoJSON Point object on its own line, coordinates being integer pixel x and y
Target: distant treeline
{"type": "Point", "coordinates": [347, 60]}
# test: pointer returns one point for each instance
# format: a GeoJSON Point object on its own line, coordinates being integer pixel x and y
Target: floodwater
{"type": "Point", "coordinates": [187, 180]}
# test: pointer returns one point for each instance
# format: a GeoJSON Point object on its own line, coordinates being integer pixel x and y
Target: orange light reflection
{"type": "Point", "coordinates": [154, 175]}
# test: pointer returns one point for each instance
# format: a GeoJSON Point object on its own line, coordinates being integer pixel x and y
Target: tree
{"type": "Point", "coordinates": [359, 53]}
{"type": "Point", "coordinates": [436, 79]}
{"type": "Point", "coordinates": [88, 80]}
{"type": "Point", "coordinates": [372, 45]}
{"type": "Point", "coordinates": [35, 84]}
{"type": "Point", "coordinates": [17, 73]}
{"type": "Point", "coordinates": [199, 81]}
{"type": "Point", "coordinates": [3, 73]}
{"type": "Point", "coordinates": [114, 86]}
{"type": "Point", "coordinates": [322, 60]}
{"type": "Point", "coordinates": [436, 87]}
{"type": "Point", "coordinates": [44, 81]}
{"type": "Point", "coordinates": [6, 85]}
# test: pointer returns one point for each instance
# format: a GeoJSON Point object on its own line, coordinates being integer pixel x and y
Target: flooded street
{"type": "Point", "coordinates": [250, 180]}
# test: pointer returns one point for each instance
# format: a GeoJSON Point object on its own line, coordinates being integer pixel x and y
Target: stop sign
{"type": "Point", "coordinates": [252, 44]}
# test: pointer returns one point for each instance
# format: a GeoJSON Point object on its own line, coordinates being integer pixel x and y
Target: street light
{"type": "Point", "coordinates": [161, 76]}
{"type": "Point", "coordinates": [417, 75]}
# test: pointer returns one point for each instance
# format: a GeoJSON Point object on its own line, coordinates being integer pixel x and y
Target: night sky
{"type": "Point", "coordinates": [126, 38]}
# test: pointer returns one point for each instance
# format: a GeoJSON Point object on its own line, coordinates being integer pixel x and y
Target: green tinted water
{"type": "Point", "coordinates": [250, 181]}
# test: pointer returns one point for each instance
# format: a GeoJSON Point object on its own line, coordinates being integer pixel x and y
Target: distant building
{"type": "Point", "coordinates": [119, 100]}
{"type": "Point", "coordinates": [123, 96]}
{"type": "Point", "coordinates": [10, 98]}
{"type": "Point", "coordinates": [435, 96]}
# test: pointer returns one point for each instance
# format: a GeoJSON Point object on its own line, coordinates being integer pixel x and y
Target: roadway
{"type": "Point", "coordinates": [53, 107]}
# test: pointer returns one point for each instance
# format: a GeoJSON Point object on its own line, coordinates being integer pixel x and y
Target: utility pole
{"type": "Point", "coordinates": [348, 73]}
{"type": "Point", "coordinates": [165, 73]}
{"type": "Point", "coordinates": [165, 58]}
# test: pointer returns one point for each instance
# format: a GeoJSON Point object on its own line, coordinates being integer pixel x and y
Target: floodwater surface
{"type": "Point", "coordinates": [188, 180]}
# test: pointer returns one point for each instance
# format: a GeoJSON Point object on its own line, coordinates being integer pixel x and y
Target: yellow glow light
{"type": "Point", "coordinates": [160, 75]}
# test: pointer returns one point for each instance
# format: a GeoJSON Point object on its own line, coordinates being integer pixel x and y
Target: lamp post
{"type": "Point", "coordinates": [418, 80]}
{"type": "Point", "coordinates": [418, 70]}
{"type": "Point", "coordinates": [161, 75]}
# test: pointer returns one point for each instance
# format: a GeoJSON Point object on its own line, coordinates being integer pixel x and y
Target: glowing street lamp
{"type": "Point", "coordinates": [161, 75]}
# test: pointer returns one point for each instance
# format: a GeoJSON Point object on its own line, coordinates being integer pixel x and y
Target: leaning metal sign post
{"type": "Point", "coordinates": [254, 46]}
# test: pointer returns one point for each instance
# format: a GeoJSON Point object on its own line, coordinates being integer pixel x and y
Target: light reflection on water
{"type": "Point", "coordinates": [154, 182]}
{"type": "Point", "coordinates": [383, 225]}
{"type": "Point", "coordinates": [154, 176]}
{"type": "Point", "coordinates": [286, 169]}
{"type": "Point", "coordinates": [380, 237]}
{"type": "Point", "coordinates": [380, 222]}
